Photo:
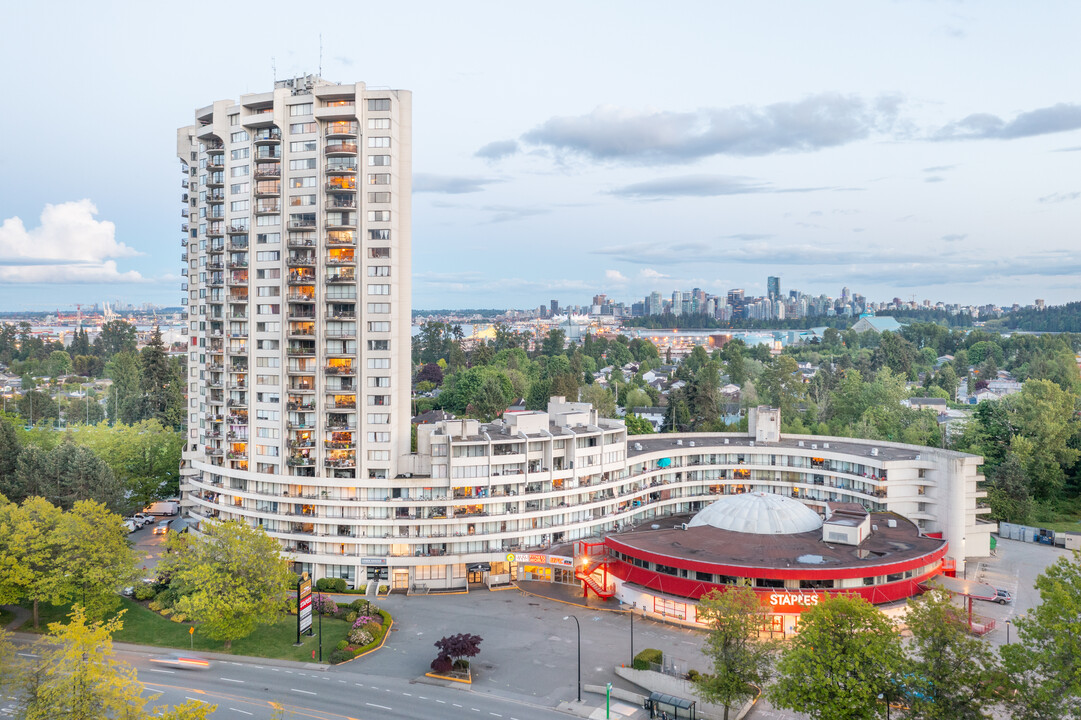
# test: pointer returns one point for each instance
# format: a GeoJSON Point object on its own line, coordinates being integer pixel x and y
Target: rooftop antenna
{"type": "Point", "coordinates": [320, 54]}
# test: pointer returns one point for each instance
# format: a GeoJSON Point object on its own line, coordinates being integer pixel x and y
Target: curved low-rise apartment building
{"type": "Point", "coordinates": [475, 493]}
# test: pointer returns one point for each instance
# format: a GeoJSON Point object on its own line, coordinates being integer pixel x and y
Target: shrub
{"type": "Point", "coordinates": [384, 589]}
{"type": "Point", "coordinates": [693, 675]}
{"type": "Point", "coordinates": [154, 605]}
{"type": "Point", "coordinates": [143, 591]}
{"type": "Point", "coordinates": [643, 659]}
{"type": "Point", "coordinates": [351, 616]}
{"type": "Point", "coordinates": [340, 656]}
{"type": "Point", "coordinates": [166, 611]}
{"type": "Point", "coordinates": [364, 606]}
{"type": "Point", "coordinates": [342, 645]}
{"type": "Point", "coordinates": [359, 636]}
{"type": "Point", "coordinates": [442, 664]}
{"type": "Point", "coordinates": [179, 618]}
{"type": "Point", "coordinates": [324, 605]}
{"type": "Point", "coordinates": [330, 585]}
{"type": "Point", "coordinates": [167, 597]}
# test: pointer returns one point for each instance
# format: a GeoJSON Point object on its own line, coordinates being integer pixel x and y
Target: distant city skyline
{"type": "Point", "coordinates": [925, 149]}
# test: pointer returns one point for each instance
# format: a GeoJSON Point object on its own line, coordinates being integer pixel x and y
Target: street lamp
{"type": "Point", "coordinates": [1008, 623]}
{"type": "Point", "coordinates": [579, 626]}
{"type": "Point", "coordinates": [633, 606]}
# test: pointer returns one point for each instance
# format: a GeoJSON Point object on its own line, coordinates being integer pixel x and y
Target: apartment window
{"type": "Point", "coordinates": [303, 164]}
{"type": "Point", "coordinates": [301, 200]}
{"type": "Point", "coordinates": [378, 142]}
{"type": "Point", "coordinates": [268, 274]}
{"type": "Point", "coordinates": [379, 216]}
{"type": "Point", "coordinates": [267, 379]}
{"type": "Point", "coordinates": [238, 171]}
{"type": "Point", "coordinates": [379, 308]}
{"type": "Point", "coordinates": [272, 415]}
{"type": "Point", "coordinates": [379, 289]}
{"type": "Point", "coordinates": [379, 363]}
{"type": "Point", "coordinates": [239, 153]}
{"type": "Point", "coordinates": [379, 344]}
{"type": "Point", "coordinates": [379, 271]}
{"type": "Point", "coordinates": [303, 146]}
{"type": "Point", "coordinates": [379, 326]}
{"type": "Point", "coordinates": [300, 109]}
{"type": "Point", "coordinates": [234, 119]}
{"type": "Point", "coordinates": [302, 182]}
{"type": "Point", "coordinates": [378, 418]}
{"type": "Point", "coordinates": [267, 345]}
{"type": "Point", "coordinates": [379, 382]}
{"type": "Point", "coordinates": [378, 197]}
{"type": "Point", "coordinates": [303, 128]}
{"type": "Point", "coordinates": [379, 179]}
{"type": "Point", "coordinates": [271, 362]}
{"type": "Point", "coordinates": [376, 104]}
{"type": "Point", "coordinates": [379, 123]}
{"type": "Point", "coordinates": [268, 256]}
{"type": "Point", "coordinates": [379, 234]}
{"type": "Point", "coordinates": [239, 136]}
{"type": "Point", "coordinates": [268, 239]}
{"type": "Point", "coordinates": [379, 455]}
{"type": "Point", "coordinates": [268, 309]}
{"type": "Point", "coordinates": [378, 437]}
{"type": "Point", "coordinates": [268, 327]}
{"type": "Point", "coordinates": [239, 188]}
{"type": "Point", "coordinates": [379, 161]}
{"type": "Point", "coordinates": [268, 397]}
{"type": "Point", "coordinates": [239, 205]}
{"type": "Point", "coordinates": [267, 450]}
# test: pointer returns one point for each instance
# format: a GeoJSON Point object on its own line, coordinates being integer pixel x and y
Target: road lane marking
{"type": "Point", "coordinates": [381, 707]}
{"type": "Point", "coordinates": [408, 694]}
{"type": "Point", "coordinates": [443, 702]}
{"type": "Point", "coordinates": [27, 655]}
{"type": "Point", "coordinates": [230, 680]}
{"type": "Point", "coordinates": [170, 672]}
{"type": "Point", "coordinates": [455, 704]}
{"type": "Point", "coordinates": [496, 714]}
{"type": "Point", "coordinates": [306, 692]}
{"type": "Point", "coordinates": [241, 711]}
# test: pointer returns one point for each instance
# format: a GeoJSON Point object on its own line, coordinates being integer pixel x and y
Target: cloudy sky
{"type": "Point", "coordinates": [927, 149]}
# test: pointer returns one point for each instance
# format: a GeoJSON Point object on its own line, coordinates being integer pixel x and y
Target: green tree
{"type": "Point", "coordinates": [638, 425]}
{"type": "Point", "coordinates": [636, 397]}
{"type": "Point", "coordinates": [1009, 493]}
{"type": "Point", "coordinates": [116, 337]}
{"type": "Point", "coordinates": [59, 363]}
{"type": "Point", "coordinates": [97, 560]}
{"type": "Point", "coordinates": [1044, 667]}
{"type": "Point", "coordinates": [9, 458]}
{"type": "Point", "coordinates": [554, 342]}
{"type": "Point", "coordinates": [125, 402]}
{"type": "Point", "coordinates": [35, 406]}
{"type": "Point", "coordinates": [491, 400]}
{"type": "Point", "coordinates": [951, 674]}
{"type": "Point", "coordinates": [781, 385]}
{"type": "Point", "coordinates": [161, 384]}
{"type": "Point", "coordinates": [846, 654]}
{"type": "Point", "coordinates": [741, 661]}
{"type": "Point", "coordinates": [602, 400]}
{"type": "Point", "coordinates": [230, 579]}
{"type": "Point", "coordinates": [31, 551]}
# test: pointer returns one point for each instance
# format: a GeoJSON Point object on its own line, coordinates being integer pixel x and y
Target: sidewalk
{"type": "Point", "coordinates": [570, 594]}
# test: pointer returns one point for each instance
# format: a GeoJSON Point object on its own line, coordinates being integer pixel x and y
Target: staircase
{"type": "Point", "coordinates": [596, 558]}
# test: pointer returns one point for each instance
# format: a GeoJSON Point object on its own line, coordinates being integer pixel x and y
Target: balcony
{"type": "Point", "coordinates": [342, 238]}
{"type": "Point", "coordinates": [299, 242]}
{"type": "Point", "coordinates": [301, 224]}
{"type": "Point", "coordinates": [215, 179]}
{"type": "Point", "coordinates": [341, 168]}
{"type": "Point", "coordinates": [303, 259]}
{"type": "Point", "coordinates": [265, 136]}
{"type": "Point", "coordinates": [346, 462]}
{"type": "Point", "coordinates": [342, 404]}
{"type": "Point", "coordinates": [334, 423]}
{"type": "Point", "coordinates": [340, 370]}
{"type": "Point", "coordinates": [300, 405]}
{"type": "Point", "coordinates": [215, 162]}
{"type": "Point", "coordinates": [212, 145]}
{"type": "Point", "coordinates": [238, 229]}
{"type": "Point", "coordinates": [342, 184]}
{"type": "Point", "coordinates": [299, 461]}
{"type": "Point", "coordinates": [342, 277]}
{"type": "Point", "coordinates": [269, 170]}
{"type": "Point", "coordinates": [238, 244]}
{"type": "Point", "coordinates": [301, 444]}
{"type": "Point", "coordinates": [300, 314]}
{"type": "Point", "coordinates": [302, 297]}
{"type": "Point", "coordinates": [238, 265]}
{"type": "Point", "coordinates": [342, 128]}
{"type": "Point", "coordinates": [341, 334]}
{"type": "Point", "coordinates": [296, 278]}
{"type": "Point", "coordinates": [340, 148]}
{"type": "Point", "coordinates": [215, 197]}
{"type": "Point", "coordinates": [215, 282]}
{"type": "Point", "coordinates": [268, 152]}
{"type": "Point", "coordinates": [342, 201]}
{"type": "Point", "coordinates": [341, 220]}
{"type": "Point", "coordinates": [300, 351]}
{"type": "Point", "coordinates": [341, 260]}
{"type": "Point", "coordinates": [267, 208]}
{"type": "Point", "coordinates": [215, 229]}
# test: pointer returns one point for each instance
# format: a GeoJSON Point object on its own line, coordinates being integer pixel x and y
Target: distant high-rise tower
{"type": "Point", "coordinates": [773, 287]}
{"type": "Point", "coordinates": [554, 307]}
{"type": "Point", "coordinates": [298, 254]}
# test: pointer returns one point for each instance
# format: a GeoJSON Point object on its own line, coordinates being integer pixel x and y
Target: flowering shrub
{"type": "Point", "coordinates": [359, 636]}
{"type": "Point", "coordinates": [324, 605]}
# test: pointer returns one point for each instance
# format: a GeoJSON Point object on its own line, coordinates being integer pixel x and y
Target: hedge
{"type": "Point", "coordinates": [643, 659]}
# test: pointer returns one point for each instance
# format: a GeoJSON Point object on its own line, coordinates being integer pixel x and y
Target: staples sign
{"type": "Point", "coordinates": [791, 602]}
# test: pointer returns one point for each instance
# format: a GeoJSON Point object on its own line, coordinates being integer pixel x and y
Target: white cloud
{"type": "Point", "coordinates": [68, 246]}
{"type": "Point", "coordinates": [614, 276]}
{"type": "Point", "coordinates": [651, 274]}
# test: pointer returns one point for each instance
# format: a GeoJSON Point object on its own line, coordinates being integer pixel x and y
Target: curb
{"type": "Point", "coordinates": [369, 652]}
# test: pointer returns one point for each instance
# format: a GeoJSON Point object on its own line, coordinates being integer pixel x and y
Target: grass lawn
{"type": "Point", "coordinates": [145, 627]}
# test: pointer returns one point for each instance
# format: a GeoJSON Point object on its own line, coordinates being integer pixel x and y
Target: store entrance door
{"type": "Point", "coordinates": [476, 576]}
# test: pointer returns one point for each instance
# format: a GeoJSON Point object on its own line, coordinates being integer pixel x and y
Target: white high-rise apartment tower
{"type": "Point", "coordinates": [297, 255]}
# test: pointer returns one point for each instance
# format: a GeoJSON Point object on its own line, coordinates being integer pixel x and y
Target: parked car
{"type": "Point", "coordinates": [144, 518]}
{"type": "Point", "coordinates": [167, 507]}
{"type": "Point", "coordinates": [131, 525]}
{"type": "Point", "coordinates": [162, 527]}
{"type": "Point", "coordinates": [1003, 596]}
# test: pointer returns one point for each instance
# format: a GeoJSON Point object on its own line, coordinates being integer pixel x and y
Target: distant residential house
{"type": "Point", "coordinates": [655, 416]}
{"type": "Point", "coordinates": [878, 324]}
{"type": "Point", "coordinates": [432, 416]}
{"type": "Point", "coordinates": [517, 406]}
{"type": "Point", "coordinates": [926, 403]}
{"type": "Point", "coordinates": [677, 385]}
{"type": "Point", "coordinates": [730, 389]}
{"type": "Point", "coordinates": [942, 360]}
{"type": "Point", "coordinates": [980, 395]}
{"type": "Point", "coordinates": [1003, 386]}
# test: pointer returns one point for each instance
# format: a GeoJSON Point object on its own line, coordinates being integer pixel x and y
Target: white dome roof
{"type": "Point", "coordinates": [758, 513]}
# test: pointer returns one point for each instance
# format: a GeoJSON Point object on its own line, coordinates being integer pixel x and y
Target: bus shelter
{"type": "Point", "coordinates": [661, 705]}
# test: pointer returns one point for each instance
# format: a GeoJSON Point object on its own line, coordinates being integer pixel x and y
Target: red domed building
{"type": "Point", "coordinates": [773, 543]}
